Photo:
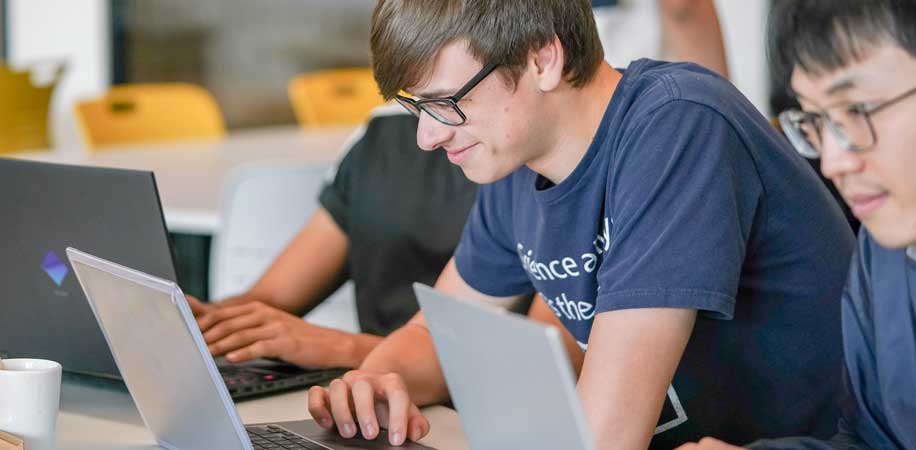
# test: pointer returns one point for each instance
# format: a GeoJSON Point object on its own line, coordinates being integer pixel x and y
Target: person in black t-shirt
{"type": "Point", "coordinates": [374, 227]}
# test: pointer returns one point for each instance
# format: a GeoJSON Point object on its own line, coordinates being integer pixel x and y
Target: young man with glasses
{"type": "Point", "coordinates": [853, 69]}
{"type": "Point", "coordinates": [671, 230]}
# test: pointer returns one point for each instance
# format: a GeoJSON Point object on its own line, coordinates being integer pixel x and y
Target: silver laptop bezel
{"type": "Point", "coordinates": [78, 258]}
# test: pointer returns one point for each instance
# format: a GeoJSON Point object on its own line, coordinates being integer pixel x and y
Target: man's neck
{"type": "Point", "coordinates": [581, 111]}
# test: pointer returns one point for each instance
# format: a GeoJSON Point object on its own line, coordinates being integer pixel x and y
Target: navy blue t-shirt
{"type": "Point", "coordinates": [879, 339]}
{"type": "Point", "coordinates": [686, 198]}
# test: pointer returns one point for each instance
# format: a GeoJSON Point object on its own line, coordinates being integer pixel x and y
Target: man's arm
{"type": "Point", "coordinates": [265, 322]}
{"type": "Point", "coordinates": [409, 351]}
{"type": "Point", "coordinates": [398, 375]}
{"type": "Point", "coordinates": [691, 32]}
{"type": "Point", "coordinates": [632, 356]}
{"type": "Point", "coordinates": [307, 270]}
{"type": "Point", "coordinates": [540, 312]}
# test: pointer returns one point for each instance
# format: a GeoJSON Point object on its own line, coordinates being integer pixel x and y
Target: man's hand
{"type": "Point", "coordinates": [198, 307]}
{"type": "Point", "coordinates": [375, 400]}
{"type": "Point", "coordinates": [708, 443]}
{"type": "Point", "coordinates": [255, 330]}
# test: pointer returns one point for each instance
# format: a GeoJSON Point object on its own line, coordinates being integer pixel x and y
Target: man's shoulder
{"type": "Point", "coordinates": [657, 83]}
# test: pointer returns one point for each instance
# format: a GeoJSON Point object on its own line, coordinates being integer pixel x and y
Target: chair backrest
{"type": "Point", "coordinates": [23, 111]}
{"type": "Point", "coordinates": [263, 207]}
{"type": "Point", "coordinates": [143, 113]}
{"type": "Point", "coordinates": [334, 97]}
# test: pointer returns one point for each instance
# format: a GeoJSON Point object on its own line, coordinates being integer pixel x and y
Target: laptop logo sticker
{"type": "Point", "coordinates": [55, 268]}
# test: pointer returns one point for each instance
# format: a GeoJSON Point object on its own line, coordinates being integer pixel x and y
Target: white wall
{"type": "Point", "coordinates": [72, 31]}
{"type": "Point", "coordinates": [744, 31]}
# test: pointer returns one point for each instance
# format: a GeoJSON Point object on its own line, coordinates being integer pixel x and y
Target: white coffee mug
{"type": "Point", "coordinates": [29, 401]}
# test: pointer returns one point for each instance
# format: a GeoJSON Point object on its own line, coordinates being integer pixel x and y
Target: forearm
{"type": "Point", "coordinates": [691, 32]}
{"type": "Point", "coordinates": [631, 359]}
{"type": "Point", "coordinates": [297, 285]}
{"type": "Point", "coordinates": [409, 352]}
{"type": "Point", "coordinates": [241, 299]}
{"type": "Point", "coordinates": [309, 269]}
{"type": "Point", "coordinates": [355, 348]}
{"type": "Point", "coordinates": [263, 294]}
{"type": "Point", "coordinates": [542, 313]}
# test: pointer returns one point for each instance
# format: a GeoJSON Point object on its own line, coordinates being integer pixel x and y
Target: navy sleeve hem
{"type": "Point", "coordinates": [492, 286]}
{"type": "Point", "coordinates": [714, 305]}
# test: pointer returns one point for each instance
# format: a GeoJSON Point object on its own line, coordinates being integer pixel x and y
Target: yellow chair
{"type": "Point", "coordinates": [146, 113]}
{"type": "Point", "coordinates": [23, 111]}
{"type": "Point", "coordinates": [334, 97]}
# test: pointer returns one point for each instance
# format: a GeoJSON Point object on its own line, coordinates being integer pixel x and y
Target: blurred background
{"type": "Point", "coordinates": [245, 51]}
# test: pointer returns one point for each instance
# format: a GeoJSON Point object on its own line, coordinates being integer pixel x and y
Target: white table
{"type": "Point", "coordinates": [190, 174]}
{"type": "Point", "coordinates": [98, 415]}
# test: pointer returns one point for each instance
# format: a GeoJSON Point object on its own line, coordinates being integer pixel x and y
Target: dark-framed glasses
{"type": "Point", "coordinates": [445, 109]}
{"type": "Point", "coordinates": [850, 125]}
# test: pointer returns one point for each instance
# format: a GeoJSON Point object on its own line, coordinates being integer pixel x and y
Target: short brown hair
{"type": "Point", "coordinates": [407, 35]}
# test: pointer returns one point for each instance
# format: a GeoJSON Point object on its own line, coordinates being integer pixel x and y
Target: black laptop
{"type": "Point", "coordinates": [115, 214]}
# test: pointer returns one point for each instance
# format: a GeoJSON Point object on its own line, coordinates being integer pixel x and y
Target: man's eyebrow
{"type": "Point", "coordinates": [841, 85]}
{"type": "Point", "coordinates": [437, 93]}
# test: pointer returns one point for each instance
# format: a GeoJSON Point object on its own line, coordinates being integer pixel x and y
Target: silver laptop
{"type": "Point", "coordinates": [510, 378]}
{"type": "Point", "coordinates": [170, 374]}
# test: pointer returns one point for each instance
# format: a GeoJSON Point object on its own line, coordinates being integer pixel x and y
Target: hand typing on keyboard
{"type": "Point", "coordinates": [256, 330]}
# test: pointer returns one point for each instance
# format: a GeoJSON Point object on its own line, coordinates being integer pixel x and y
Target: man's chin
{"type": "Point", "coordinates": [892, 235]}
{"type": "Point", "coordinates": [481, 176]}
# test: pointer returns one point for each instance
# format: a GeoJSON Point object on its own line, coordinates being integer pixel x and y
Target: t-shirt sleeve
{"type": "Point", "coordinates": [860, 424]}
{"type": "Point", "coordinates": [683, 191]}
{"type": "Point", "coordinates": [486, 257]}
{"type": "Point", "coordinates": [335, 196]}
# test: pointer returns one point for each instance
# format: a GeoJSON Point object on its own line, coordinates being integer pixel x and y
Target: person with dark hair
{"type": "Point", "coordinates": [661, 218]}
{"type": "Point", "coordinates": [781, 99]}
{"type": "Point", "coordinates": [852, 66]}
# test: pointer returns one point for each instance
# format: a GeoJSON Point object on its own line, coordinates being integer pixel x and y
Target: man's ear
{"type": "Point", "coordinates": [547, 63]}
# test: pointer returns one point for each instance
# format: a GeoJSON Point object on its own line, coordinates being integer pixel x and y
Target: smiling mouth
{"type": "Point", "coordinates": [457, 156]}
{"type": "Point", "coordinates": [864, 205]}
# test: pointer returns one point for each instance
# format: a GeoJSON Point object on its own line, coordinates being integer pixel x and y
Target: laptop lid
{"type": "Point", "coordinates": [509, 377]}
{"type": "Point", "coordinates": [45, 208]}
{"type": "Point", "coordinates": [162, 356]}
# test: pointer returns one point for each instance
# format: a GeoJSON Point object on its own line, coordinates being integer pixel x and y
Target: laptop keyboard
{"type": "Point", "coordinates": [272, 437]}
{"type": "Point", "coordinates": [247, 381]}
{"type": "Point", "coordinates": [236, 377]}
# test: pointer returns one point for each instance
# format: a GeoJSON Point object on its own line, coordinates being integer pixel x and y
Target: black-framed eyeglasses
{"type": "Point", "coordinates": [445, 109]}
{"type": "Point", "coordinates": [849, 124]}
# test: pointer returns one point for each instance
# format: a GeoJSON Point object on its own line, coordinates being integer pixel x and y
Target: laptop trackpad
{"type": "Point", "coordinates": [311, 430]}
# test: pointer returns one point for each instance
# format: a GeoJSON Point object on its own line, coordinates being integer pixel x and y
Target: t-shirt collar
{"type": "Point", "coordinates": [911, 252]}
